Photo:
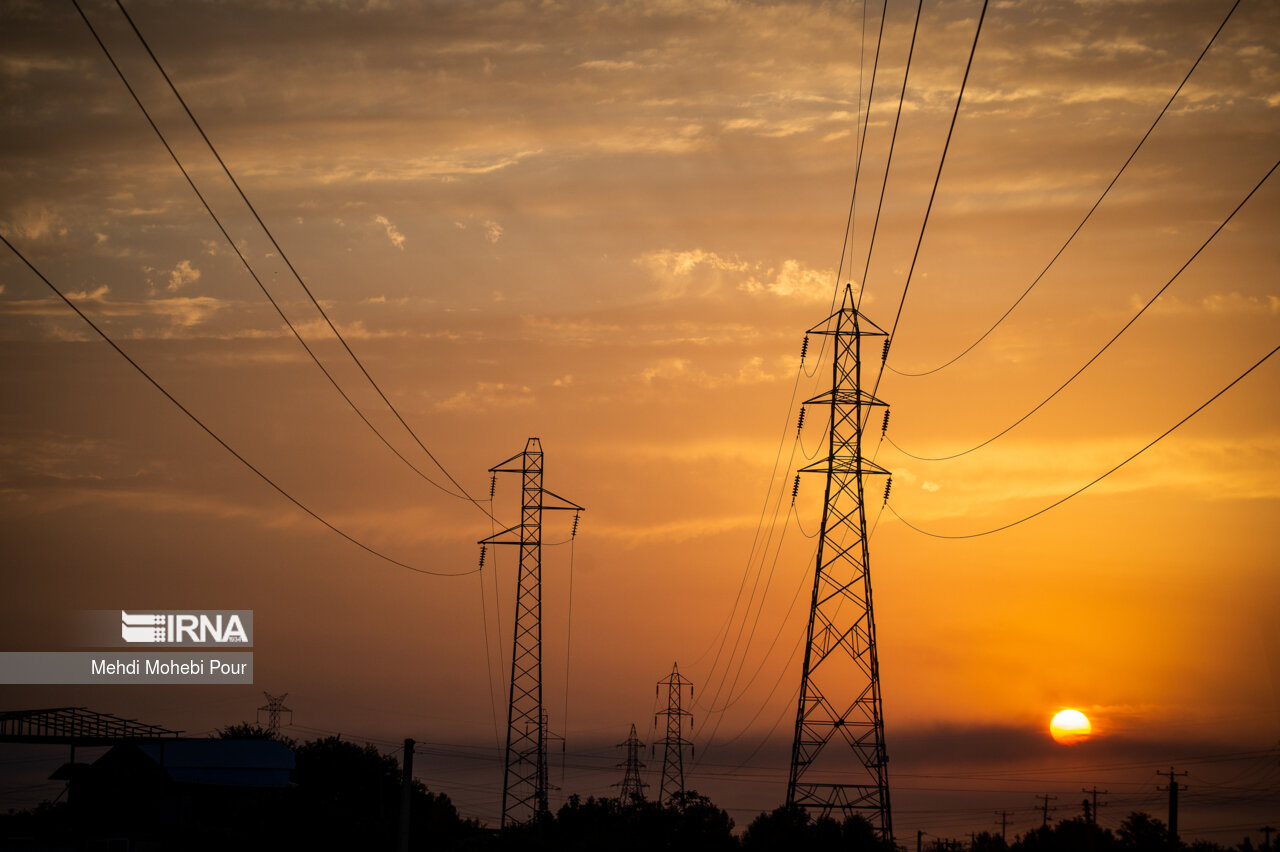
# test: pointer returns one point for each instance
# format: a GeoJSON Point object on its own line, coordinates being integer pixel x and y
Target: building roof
{"type": "Point", "coordinates": [229, 762]}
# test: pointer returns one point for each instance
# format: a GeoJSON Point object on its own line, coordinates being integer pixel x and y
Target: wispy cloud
{"type": "Point", "coordinates": [393, 233]}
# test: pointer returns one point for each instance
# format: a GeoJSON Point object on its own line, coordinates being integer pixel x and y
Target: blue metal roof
{"type": "Point", "coordinates": [244, 763]}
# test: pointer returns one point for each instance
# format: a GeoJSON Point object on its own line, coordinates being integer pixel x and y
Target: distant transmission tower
{"type": "Point", "coordinates": [674, 743]}
{"type": "Point", "coordinates": [273, 708]}
{"type": "Point", "coordinates": [545, 771]}
{"type": "Point", "coordinates": [631, 784]}
{"type": "Point", "coordinates": [840, 679]}
{"type": "Point", "coordinates": [524, 786]}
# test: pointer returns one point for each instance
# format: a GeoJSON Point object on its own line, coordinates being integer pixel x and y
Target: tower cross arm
{"type": "Point", "coordinates": [498, 537]}
{"type": "Point", "coordinates": [566, 505]}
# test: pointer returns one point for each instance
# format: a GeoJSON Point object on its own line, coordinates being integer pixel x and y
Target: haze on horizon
{"type": "Point", "coordinates": [609, 225]}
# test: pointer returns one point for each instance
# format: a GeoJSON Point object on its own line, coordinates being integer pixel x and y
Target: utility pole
{"type": "Point", "coordinates": [273, 708]}
{"type": "Point", "coordinates": [406, 796]}
{"type": "Point", "coordinates": [1266, 834]}
{"type": "Point", "coordinates": [840, 675]}
{"type": "Point", "coordinates": [632, 786]}
{"type": "Point", "coordinates": [1093, 814]}
{"type": "Point", "coordinates": [1173, 801]}
{"type": "Point", "coordinates": [674, 742]}
{"type": "Point", "coordinates": [1004, 822]}
{"type": "Point", "coordinates": [1045, 800]}
{"type": "Point", "coordinates": [524, 794]}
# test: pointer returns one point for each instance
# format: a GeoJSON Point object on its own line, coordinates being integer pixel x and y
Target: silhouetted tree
{"type": "Point", "coordinates": [791, 827]}
{"type": "Point", "coordinates": [1207, 846]}
{"type": "Point", "coordinates": [988, 842]}
{"type": "Point", "coordinates": [348, 797]}
{"type": "Point", "coordinates": [1141, 832]}
{"type": "Point", "coordinates": [689, 822]}
{"type": "Point", "coordinates": [699, 824]}
{"type": "Point", "coordinates": [249, 731]}
{"type": "Point", "coordinates": [1068, 835]}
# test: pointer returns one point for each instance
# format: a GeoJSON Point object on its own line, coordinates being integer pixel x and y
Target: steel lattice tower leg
{"type": "Point", "coordinates": [632, 787]}
{"type": "Point", "coordinates": [524, 786]}
{"type": "Point", "coordinates": [840, 680]}
{"type": "Point", "coordinates": [674, 742]}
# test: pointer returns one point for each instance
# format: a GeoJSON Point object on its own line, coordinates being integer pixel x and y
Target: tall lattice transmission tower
{"type": "Point", "coordinates": [840, 680]}
{"type": "Point", "coordinates": [524, 785]}
{"type": "Point", "coordinates": [273, 708]}
{"type": "Point", "coordinates": [632, 786]}
{"type": "Point", "coordinates": [674, 742]}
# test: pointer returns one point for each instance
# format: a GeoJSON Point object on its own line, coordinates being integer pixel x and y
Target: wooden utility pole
{"type": "Point", "coordinates": [1093, 818]}
{"type": "Point", "coordinates": [1045, 799]}
{"type": "Point", "coordinates": [1004, 822]}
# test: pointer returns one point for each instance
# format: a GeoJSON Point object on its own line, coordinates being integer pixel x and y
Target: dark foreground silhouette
{"type": "Point", "coordinates": [249, 791]}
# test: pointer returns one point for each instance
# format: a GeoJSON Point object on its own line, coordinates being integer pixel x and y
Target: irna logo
{"type": "Point", "coordinates": [206, 627]}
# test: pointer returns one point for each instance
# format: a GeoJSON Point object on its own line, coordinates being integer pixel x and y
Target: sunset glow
{"type": "Point", "coordinates": [609, 225]}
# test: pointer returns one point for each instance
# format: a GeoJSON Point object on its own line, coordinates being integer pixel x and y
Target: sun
{"type": "Point", "coordinates": [1070, 727]}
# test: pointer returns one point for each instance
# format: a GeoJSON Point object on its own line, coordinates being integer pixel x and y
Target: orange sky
{"type": "Point", "coordinates": [609, 226]}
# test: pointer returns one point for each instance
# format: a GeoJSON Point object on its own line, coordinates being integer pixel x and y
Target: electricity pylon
{"type": "Point", "coordinates": [273, 708]}
{"type": "Point", "coordinates": [632, 787]}
{"type": "Point", "coordinates": [674, 742]}
{"type": "Point", "coordinates": [840, 679]}
{"type": "Point", "coordinates": [524, 784]}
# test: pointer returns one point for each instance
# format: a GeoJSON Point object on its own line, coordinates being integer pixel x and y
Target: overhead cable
{"type": "Point", "coordinates": [213, 434]}
{"type": "Point", "coordinates": [893, 138]}
{"type": "Point", "coordinates": [244, 261]}
{"type": "Point", "coordinates": [1113, 339]}
{"type": "Point", "coordinates": [292, 269]}
{"type": "Point", "coordinates": [1087, 216]}
{"type": "Point", "coordinates": [1084, 488]}
{"type": "Point", "coordinates": [937, 178]}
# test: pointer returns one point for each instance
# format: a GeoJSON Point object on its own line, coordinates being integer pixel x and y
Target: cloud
{"type": "Point", "coordinates": [82, 295]}
{"type": "Point", "coordinates": [794, 279]}
{"type": "Point", "coordinates": [1215, 304]}
{"type": "Point", "coordinates": [488, 395]}
{"type": "Point", "coordinates": [492, 231]}
{"type": "Point", "coordinates": [393, 234]}
{"type": "Point", "coordinates": [669, 370]}
{"type": "Point", "coordinates": [183, 311]}
{"type": "Point", "coordinates": [183, 274]}
{"type": "Point", "coordinates": [700, 272]}
{"type": "Point", "coordinates": [608, 65]}
{"type": "Point", "coordinates": [684, 273]}
{"type": "Point", "coordinates": [35, 223]}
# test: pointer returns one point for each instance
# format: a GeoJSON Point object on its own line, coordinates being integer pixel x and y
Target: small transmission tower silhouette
{"type": "Point", "coordinates": [840, 678]}
{"type": "Point", "coordinates": [632, 787]}
{"type": "Point", "coordinates": [674, 743]}
{"type": "Point", "coordinates": [524, 786]}
{"type": "Point", "coordinates": [273, 708]}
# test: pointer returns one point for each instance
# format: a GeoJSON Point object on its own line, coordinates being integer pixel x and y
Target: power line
{"type": "Point", "coordinates": [284, 257]}
{"type": "Point", "coordinates": [213, 434]}
{"type": "Point", "coordinates": [723, 632]}
{"type": "Point", "coordinates": [938, 177]}
{"type": "Point", "coordinates": [893, 138]}
{"type": "Point", "coordinates": [1114, 337]}
{"type": "Point", "coordinates": [847, 242]}
{"type": "Point", "coordinates": [243, 260]}
{"type": "Point", "coordinates": [1088, 215]}
{"type": "Point", "coordinates": [1083, 488]}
